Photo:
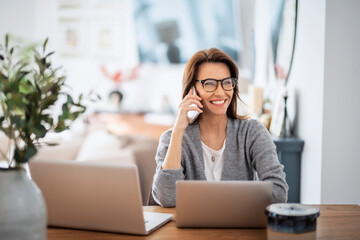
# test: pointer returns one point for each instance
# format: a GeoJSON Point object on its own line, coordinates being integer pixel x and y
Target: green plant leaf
{"type": "Point", "coordinates": [49, 54]}
{"type": "Point", "coordinates": [61, 126]}
{"type": "Point", "coordinates": [48, 101]}
{"type": "Point", "coordinates": [39, 130]}
{"type": "Point", "coordinates": [44, 44]}
{"type": "Point", "coordinates": [25, 86]}
{"type": "Point", "coordinates": [18, 122]}
{"type": "Point", "coordinates": [6, 41]}
{"type": "Point", "coordinates": [3, 77]}
{"type": "Point", "coordinates": [23, 156]}
{"type": "Point", "coordinates": [47, 119]}
{"type": "Point", "coordinates": [69, 100]}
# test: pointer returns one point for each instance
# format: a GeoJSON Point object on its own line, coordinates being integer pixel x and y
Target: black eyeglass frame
{"type": "Point", "coordinates": [234, 80]}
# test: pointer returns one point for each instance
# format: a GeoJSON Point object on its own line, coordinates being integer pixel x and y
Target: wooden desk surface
{"type": "Point", "coordinates": [125, 124]}
{"type": "Point", "coordinates": [335, 222]}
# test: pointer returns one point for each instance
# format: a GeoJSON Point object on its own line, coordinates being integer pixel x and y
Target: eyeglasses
{"type": "Point", "coordinates": [210, 85]}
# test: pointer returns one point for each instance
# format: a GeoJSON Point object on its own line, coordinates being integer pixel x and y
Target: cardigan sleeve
{"type": "Point", "coordinates": [163, 188]}
{"type": "Point", "coordinates": [266, 163]}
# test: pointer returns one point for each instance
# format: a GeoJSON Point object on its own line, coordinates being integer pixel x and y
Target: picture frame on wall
{"type": "Point", "coordinates": [105, 37]}
{"type": "Point", "coordinates": [71, 37]}
{"type": "Point", "coordinates": [107, 4]}
{"type": "Point", "coordinates": [69, 4]}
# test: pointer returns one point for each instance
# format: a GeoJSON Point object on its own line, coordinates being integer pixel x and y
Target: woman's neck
{"type": "Point", "coordinates": [213, 130]}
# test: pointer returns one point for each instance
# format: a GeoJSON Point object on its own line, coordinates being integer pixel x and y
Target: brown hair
{"type": "Point", "coordinates": [212, 55]}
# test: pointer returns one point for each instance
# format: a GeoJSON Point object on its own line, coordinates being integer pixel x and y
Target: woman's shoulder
{"type": "Point", "coordinates": [248, 128]}
{"type": "Point", "coordinates": [165, 136]}
{"type": "Point", "coordinates": [191, 131]}
{"type": "Point", "coordinates": [245, 123]}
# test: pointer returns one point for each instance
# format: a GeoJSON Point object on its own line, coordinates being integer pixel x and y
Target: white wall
{"type": "Point", "coordinates": [325, 76]}
{"type": "Point", "coordinates": [307, 78]}
{"type": "Point", "coordinates": [263, 75]}
{"type": "Point", "coordinates": [341, 129]}
{"type": "Point", "coordinates": [19, 18]}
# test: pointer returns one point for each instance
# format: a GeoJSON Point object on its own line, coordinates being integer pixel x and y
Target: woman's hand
{"type": "Point", "coordinates": [182, 120]}
{"type": "Point", "coordinates": [173, 155]}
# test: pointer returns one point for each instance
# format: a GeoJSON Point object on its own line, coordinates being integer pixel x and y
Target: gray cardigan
{"type": "Point", "coordinates": [249, 149]}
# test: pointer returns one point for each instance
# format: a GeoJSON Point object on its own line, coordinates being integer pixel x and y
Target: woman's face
{"type": "Point", "coordinates": [217, 102]}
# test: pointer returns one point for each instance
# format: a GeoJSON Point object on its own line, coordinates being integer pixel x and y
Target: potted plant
{"type": "Point", "coordinates": [30, 88]}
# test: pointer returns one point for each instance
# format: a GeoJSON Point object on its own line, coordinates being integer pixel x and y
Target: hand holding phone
{"type": "Point", "coordinates": [192, 115]}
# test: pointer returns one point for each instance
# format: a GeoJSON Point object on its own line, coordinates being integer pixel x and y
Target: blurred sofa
{"type": "Point", "coordinates": [101, 146]}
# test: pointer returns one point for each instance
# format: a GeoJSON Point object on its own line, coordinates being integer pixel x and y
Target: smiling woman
{"type": "Point", "coordinates": [219, 145]}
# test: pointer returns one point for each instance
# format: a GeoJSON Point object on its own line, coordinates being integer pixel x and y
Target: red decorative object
{"type": "Point", "coordinates": [118, 77]}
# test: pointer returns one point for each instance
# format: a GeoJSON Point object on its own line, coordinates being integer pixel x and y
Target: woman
{"type": "Point", "coordinates": [219, 145]}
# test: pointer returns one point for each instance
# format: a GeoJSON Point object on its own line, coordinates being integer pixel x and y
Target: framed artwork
{"type": "Point", "coordinates": [68, 4]}
{"type": "Point", "coordinates": [95, 28]}
{"type": "Point", "coordinates": [105, 38]}
{"type": "Point", "coordinates": [106, 4]}
{"type": "Point", "coordinates": [71, 36]}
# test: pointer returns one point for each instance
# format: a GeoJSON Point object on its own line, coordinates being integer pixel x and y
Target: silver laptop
{"type": "Point", "coordinates": [224, 204]}
{"type": "Point", "coordinates": [94, 196]}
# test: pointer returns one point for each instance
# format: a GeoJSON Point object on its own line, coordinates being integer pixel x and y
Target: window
{"type": "Point", "coordinates": [172, 31]}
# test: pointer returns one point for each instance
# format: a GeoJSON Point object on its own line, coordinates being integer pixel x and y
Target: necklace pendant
{"type": "Point", "coordinates": [212, 158]}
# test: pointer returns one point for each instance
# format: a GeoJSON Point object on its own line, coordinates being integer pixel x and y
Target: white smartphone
{"type": "Point", "coordinates": [192, 115]}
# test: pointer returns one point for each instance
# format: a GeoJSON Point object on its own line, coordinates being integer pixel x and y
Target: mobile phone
{"type": "Point", "coordinates": [192, 115]}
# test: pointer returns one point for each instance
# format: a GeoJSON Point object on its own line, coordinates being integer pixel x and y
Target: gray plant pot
{"type": "Point", "coordinates": [22, 207]}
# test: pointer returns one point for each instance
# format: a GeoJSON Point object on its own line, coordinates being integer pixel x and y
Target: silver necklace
{"type": "Point", "coordinates": [212, 155]}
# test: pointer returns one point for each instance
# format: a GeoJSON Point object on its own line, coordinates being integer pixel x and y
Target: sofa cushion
{"type": "Point", "coordinates": [102, 146]}
{"type": "Point", "coordinates": [65, 150]}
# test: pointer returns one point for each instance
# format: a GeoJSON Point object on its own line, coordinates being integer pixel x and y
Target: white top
{"type": "Point", "coordinates": [213, 162]}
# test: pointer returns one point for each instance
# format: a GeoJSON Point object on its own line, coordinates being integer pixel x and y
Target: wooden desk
{"type": "Point", "coordinates": [126, 124]}
{"type": "Point", "coordinates": [335, 222]}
